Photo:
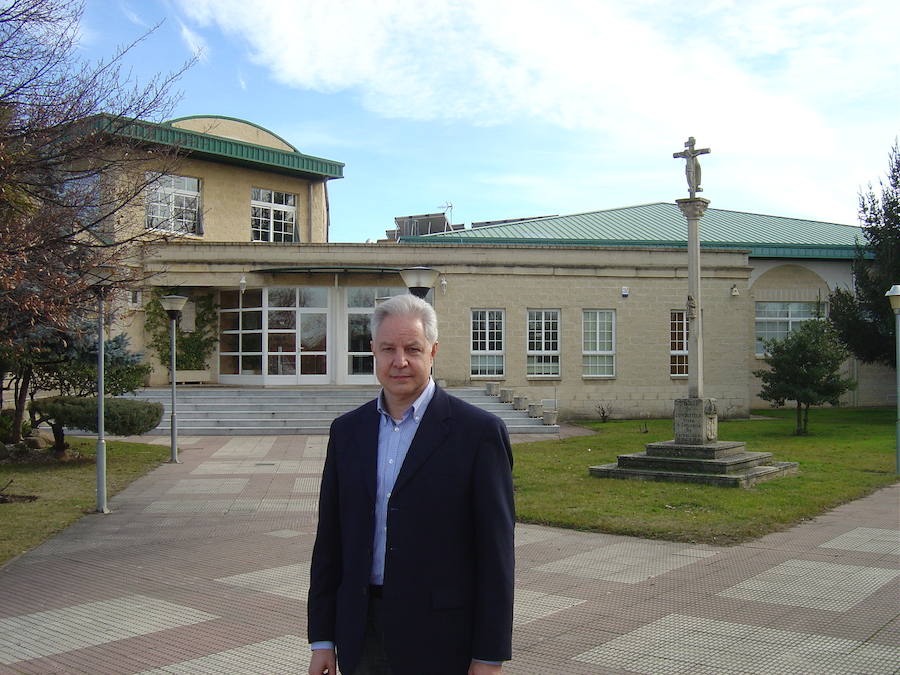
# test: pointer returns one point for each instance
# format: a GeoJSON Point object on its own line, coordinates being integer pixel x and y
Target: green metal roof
{"type": "Point", "coordinates": [219, 149]}
{"type": "Point", "coordinates": [663, 224]}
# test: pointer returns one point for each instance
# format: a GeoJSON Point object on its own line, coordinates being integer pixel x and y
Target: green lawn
{"type": "Point", "coordinates": [848, 454]}
{"type": "Point", "coordinates": [66, 490]}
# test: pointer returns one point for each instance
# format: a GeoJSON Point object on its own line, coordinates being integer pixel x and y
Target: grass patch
{"type": "Point", "coordinates": [66, 490]}
{"type": "Point", "coordinates": [848, 454]}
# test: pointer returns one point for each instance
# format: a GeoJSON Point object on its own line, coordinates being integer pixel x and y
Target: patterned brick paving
{"type": "Point", "coordinates": [202, 567]}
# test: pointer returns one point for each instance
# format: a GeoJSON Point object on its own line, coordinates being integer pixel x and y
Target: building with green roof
{"type": "Point", "coordinates": [577, 310]}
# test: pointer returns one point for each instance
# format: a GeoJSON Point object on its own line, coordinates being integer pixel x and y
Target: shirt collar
{"type": "Point", "coordinates": [418, 406]}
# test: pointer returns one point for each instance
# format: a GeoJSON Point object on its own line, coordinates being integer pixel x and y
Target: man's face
{"type": "Point", "coordinates": [403, 359]}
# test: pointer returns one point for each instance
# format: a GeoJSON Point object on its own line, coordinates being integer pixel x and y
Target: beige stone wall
{"type": "Point", "coordinates": [237, 130]}
{"type": "Point", "coordinates": [516, 278]}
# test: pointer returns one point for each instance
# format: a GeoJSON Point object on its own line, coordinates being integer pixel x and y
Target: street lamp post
{"type": "Point", "coordinates": [173, 304]}
{"type": "Point", "coordinates": [893, 295]}
{"type": "Point", "coordinates": [102, 277]}
{"type": "Point", "coordinates": [419, 280]}
{"type": "Point", "coordinates": [102, 507]}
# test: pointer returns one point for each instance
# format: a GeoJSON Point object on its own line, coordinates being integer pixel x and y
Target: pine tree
{"type": "Point", "coordinates": [804, 367]}
{"type": "Point", "coordinates": [863, 317]}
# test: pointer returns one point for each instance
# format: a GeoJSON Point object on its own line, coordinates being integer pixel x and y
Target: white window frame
{"type": "Point", "coordinates": [678, 343]}
{"type": "Point", "coordinates": [792, 317]}
{"type": "Point", "coordinates": [172, 205]}
{"type": "Point", "coordinates": [270, 209]}
{"type": "Point", "coordinates": [590, 352]}
{"type": "Point", "coordinates": [542, 355]}
{"type": "Point", "coordinates": [486, 342]}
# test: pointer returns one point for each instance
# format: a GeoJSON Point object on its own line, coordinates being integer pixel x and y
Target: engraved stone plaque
{"type": "Point", "coordinates": [696, 421]}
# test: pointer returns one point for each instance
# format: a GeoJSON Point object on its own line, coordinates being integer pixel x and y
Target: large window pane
{"type": "Point", "coordinates": [358, 332]}
{"type": "Point", "coordinates": [228, 365]}
{"type": "Point", "coordinates": [282, 365]}
{"type": "Point", "coordinates": [282, 297]}
{"type": "Point", "coordinates": [229, 299]}
{"type": "Point", "coordinates": [229, 342]}
{"type": "Point", "coordinates": [776, 320]}
{"type": "Point", "coordinates": [251, 320]}
{"type": "Point", "coordinates": [487, 358]}
{"type": "Point", "coordinates": [282, 342]}
{"type": "Point", "coordinates": [361, 297]}
{"type": "Point", "coordinates": [361, 365]}
{"type": "Point", "coordinates": [543, 342]}
{"type": "Point", "coordinates": [313, 364]}
{"type": "Point", "coordinates": [313, 332]}
{"type": "Point", "coordinates": [251, 342]}
{"type": "Point", "coordinates": [312, 296]}
{"type": "Point", "coordinates": [272, 215]}
{"type": "Point", "coordinates": [229, 321]}
{"type": "Point", "coordinates": [282, 319]}
{"type": "Point", "coordinates": [598, 343]}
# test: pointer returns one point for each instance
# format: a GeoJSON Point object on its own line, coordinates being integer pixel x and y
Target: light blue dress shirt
{"type": "Point", "coordinates": [394, 439]}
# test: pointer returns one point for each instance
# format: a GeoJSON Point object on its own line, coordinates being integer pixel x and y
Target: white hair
{"type": "Point", "coordinates": [407, 305]}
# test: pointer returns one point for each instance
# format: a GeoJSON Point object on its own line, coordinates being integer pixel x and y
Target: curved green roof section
{"type": "Point", "coordinates": [220, 149]}
{"type": "Point", "coordinates": [663, 224]}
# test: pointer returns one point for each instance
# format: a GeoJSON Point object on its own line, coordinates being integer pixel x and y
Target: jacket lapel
{"type": "Point", "coordinates": [432, 431]}
{"type": "Point", "coordinates": [366, 439]}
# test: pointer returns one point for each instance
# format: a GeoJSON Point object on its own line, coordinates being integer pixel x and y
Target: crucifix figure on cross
{"type": "Point", "coordinates": [692, 165]}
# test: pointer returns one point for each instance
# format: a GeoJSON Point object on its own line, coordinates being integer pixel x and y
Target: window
{"type": "Point", "coordinates": [272, 215]}
{"type": "Point", "coordinates": [487, 342]}
{"type": "Point", "coordinates": [543, 343]}
{"type": "Point", "coordinates": [598, 346]}
{"type": "Point", "coordinates": [775, 320]}
{"type": "Point", "coordinates": [678, 343]}
{"type": "Point", "coordinates": [173, 204]}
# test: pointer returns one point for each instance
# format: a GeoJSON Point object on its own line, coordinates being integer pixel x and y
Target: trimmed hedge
{"type": "Point", "coordinates": [122, 417]}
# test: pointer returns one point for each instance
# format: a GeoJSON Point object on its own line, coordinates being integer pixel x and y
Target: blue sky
{"type": "Point", "coordinates": [513, 108]}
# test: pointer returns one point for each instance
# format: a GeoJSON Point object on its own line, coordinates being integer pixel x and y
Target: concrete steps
{"type": "Point", "coordinates": [219, 411]}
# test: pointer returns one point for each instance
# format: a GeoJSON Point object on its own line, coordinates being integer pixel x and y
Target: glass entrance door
{"type": "Point", "coordinates": [297, 335]}
{"type": "Point", "coordinates": [359, 303]}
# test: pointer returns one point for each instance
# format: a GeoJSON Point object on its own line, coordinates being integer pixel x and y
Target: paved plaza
{"type": "Point", "coordinates": [203, 567]}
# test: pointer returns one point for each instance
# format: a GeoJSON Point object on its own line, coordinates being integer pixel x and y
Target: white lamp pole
{"type": "Point", "coordinates": [893, 295]}
{"type": "Point", "coordinates": [102, 277]}
{"type": "Point", "coordinates": [101, 412]}
{"type": "Point", "coordinates": [173, 304]}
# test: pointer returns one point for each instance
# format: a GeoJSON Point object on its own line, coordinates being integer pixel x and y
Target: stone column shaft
{"type": "Point", "coordinates": [693, 210]}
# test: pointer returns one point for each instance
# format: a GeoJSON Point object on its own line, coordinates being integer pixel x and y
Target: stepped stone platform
{"type": "Point", "coordinates": [224, 411]}
{"type": "Point", "coordinates": [710, 462]}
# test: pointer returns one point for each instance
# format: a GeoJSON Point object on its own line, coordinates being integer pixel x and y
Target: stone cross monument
{"type": "Point", "coordinates": [696, 418]}
{"type": "Point", "coordinates": [696, 455]}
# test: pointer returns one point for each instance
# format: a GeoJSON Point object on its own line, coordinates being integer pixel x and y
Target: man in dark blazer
{"type": "Point", "coordinates": [413, 566]}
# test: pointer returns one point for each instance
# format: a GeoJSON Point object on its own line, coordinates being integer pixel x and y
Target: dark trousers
{"type": "Point", "coordinates": [373, 661]}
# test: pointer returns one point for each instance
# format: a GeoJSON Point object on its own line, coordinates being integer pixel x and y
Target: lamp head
{"type": "Point", "coordinates": [173, 304]}
{"type": "Point", "coordinates": [419, 280]}
{"type": "Point", "coordinates": [893, 295]}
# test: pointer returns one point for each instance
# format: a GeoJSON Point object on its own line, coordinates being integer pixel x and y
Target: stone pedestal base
{"type": "Point", "coordinates": [697, 455]}
{"type": "Point", "coordinates": [696, 421]}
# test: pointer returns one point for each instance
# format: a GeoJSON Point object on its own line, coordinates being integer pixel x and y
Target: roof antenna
{"type": "Point", "coordinates": [447, 208]}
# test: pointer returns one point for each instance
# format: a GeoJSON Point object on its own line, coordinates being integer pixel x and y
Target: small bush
{"type": "Point", "coordinates": [122, 417]}
{"type": "Point", "coordinates": [6, 425]}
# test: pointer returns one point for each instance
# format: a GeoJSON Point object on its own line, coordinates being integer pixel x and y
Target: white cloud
{"type": "Point", "coordinates": [133, 16]}
{"type": "Point", "coordinates": [763, 81]}
{"type": "Point", "coordinates": [195, 43]}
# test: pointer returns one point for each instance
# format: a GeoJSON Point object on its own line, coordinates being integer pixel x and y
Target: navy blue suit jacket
{"type": "Point", "coordinates": [449, 561]}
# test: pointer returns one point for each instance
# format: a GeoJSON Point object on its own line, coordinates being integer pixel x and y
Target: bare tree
{"type": "Point", "coordinates": [72, 164]}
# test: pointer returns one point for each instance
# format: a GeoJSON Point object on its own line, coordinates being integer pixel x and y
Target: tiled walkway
{"type": "Point", "coordinates": [202, 567]}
